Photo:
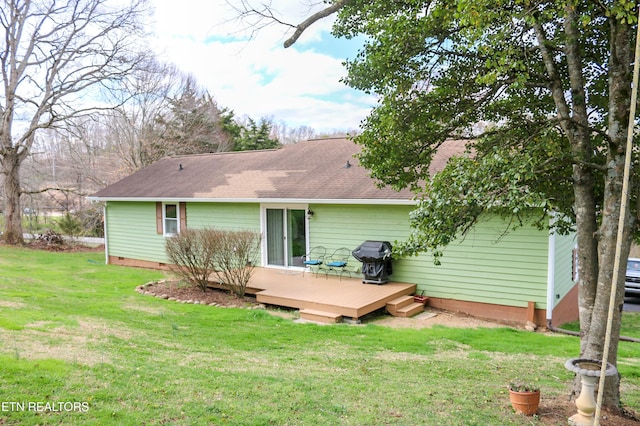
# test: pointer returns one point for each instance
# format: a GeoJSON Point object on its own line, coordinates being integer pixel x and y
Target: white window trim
{"type": "Point", "coordinates": [164, 219]}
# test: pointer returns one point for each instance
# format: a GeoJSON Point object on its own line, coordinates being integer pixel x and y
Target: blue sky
{"type": "Point", "coordinates": [257, 77]}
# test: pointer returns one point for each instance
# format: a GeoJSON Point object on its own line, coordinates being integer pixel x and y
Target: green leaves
{"type": "Point", "coordinates": [622, 10]}
{"type": "Point", "coordinates": [502, 181]}
{"type": "Point", "coordinates": [474, 70]}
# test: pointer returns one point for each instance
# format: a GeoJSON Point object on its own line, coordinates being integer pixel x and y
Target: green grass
{"type": "Point", "coordinates": [73, 330]}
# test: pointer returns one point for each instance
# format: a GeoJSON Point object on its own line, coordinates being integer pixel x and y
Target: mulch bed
{"type": "Point", "coordinates": [181, 292]}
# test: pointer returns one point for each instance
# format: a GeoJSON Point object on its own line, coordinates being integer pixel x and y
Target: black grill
{"type": "Point", "coordinates": [376, 261]}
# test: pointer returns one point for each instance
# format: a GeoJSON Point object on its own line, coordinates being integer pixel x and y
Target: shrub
{"type": "Point", "coordinates": [70, 225]}
{"type": "Point", "coordinates": [198, 253]}
{"type": "Point", "coordinates": [192, 254]}
{"type": "Point", "coordinates": [92, 220]}
{"type": "Point", "coordinates": [236, 258]}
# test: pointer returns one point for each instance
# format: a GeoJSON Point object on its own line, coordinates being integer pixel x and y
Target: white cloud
{"type": "Point", "coordinates": [258, 77]}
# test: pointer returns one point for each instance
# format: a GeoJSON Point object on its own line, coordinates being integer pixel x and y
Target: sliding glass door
{"type": "Point", "coordinates": [275, 237]}
{"type": "Point", "coordinates": [286, 236]}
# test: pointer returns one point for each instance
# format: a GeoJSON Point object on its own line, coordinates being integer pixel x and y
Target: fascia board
{"type": "Point", "coordinates": [377, 201]}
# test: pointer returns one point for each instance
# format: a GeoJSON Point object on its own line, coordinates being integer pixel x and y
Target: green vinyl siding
{"type": "Point", "coordinates": [489, 265]}
{"type": "Point", "coordinates": [229, 216]}
{"type": "Point", "coordinates": [563, 265]}
{"type": "Point", "coordinates": [131, 228]}
{"type": "Point", "coordinates": [335, 226]}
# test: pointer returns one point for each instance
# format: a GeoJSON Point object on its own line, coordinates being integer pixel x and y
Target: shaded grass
{"type": "Point", "coordinates": [72, 329]}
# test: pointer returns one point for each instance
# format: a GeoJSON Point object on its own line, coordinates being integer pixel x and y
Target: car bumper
{"type": "Point", "coordinates": [631, 289]}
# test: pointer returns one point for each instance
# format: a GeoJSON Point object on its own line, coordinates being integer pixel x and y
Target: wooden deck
{"type": "Point", "coordinates": [321, 295]}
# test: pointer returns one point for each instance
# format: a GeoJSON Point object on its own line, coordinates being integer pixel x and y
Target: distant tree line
{"type": "Point", "coordinates": [84, 102]}
{"type": "Point", "coordinates": [166, 113]}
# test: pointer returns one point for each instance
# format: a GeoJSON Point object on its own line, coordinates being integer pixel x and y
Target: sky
{"type": "Point", "coordinates": [256, 76]}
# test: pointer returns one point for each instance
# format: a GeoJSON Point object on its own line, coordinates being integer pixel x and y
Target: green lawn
{"type": "Point", "coordinates": [76, 336]}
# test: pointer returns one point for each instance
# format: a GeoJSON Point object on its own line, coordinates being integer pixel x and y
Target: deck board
{"type": "Point", "coordinates": [347, 296]}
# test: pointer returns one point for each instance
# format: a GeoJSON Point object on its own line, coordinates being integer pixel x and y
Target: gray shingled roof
{"type": "Point", "coordinates": [311, 170]}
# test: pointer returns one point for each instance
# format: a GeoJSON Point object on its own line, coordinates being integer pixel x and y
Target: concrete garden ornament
{"type": "Point", "coordinates": [589, 372]}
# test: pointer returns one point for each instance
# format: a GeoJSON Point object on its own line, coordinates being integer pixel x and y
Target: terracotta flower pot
{"type": "Point", "coordinates": [421, 299]}
{"type": "Point", "coordinates": [525, 402]}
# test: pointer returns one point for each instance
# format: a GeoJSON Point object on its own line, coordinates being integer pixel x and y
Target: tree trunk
{"type": "Point", "coordinates": [12, 213]}
{"type": "Point", "coordinates": [587, 249]}
{"type": "Point", "coordinates": [592, 342]}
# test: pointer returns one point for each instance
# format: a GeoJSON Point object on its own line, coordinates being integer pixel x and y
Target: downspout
{"type": "Point", "coordinates": [551, 275]}
{"type": "Point", "coordinates": [106, 240]}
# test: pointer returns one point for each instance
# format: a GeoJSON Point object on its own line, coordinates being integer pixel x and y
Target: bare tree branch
{"type": "Point", "coordinates": [257, 18]}
{"type": "Point", "coordinates": [266, 15]}
{"type": "Point", "coordinates": [300, 28]}
{"type": "Point", "coordinates": [55, 60]}
{"type": "Point", "coordinates": [55, 188]}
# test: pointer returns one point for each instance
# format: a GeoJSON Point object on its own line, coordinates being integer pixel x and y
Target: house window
{"type": "Point", "coordinates": [574, 266]}
{"type": "Point", "coordinates": [171, 219]}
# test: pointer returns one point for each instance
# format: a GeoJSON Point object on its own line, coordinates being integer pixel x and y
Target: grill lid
{"type": "Point", "coordinates": [373, 251]}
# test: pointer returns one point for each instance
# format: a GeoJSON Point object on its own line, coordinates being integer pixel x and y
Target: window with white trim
{"type": "Point", "coordinates": [171, 219]}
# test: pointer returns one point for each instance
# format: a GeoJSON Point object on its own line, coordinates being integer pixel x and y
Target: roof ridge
{"type": "Point", "coordinates": [329, 138]}
{"type": "Point", "coordinates": [204, 154]}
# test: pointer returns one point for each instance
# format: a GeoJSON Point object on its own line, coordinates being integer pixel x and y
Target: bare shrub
{"type": "Point", "coordinates": [231, 255]}
{"type": "Point", "coordinates": [92, 219]}
{"type": "Point", "coordinates": [192, 254]}
{"type": "Point", "coordinates": [236, 258]}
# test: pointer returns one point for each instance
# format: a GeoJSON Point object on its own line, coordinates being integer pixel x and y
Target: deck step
{"type": "Point", "coordinates": [410, 310]}
{"type": "Point", "coordinates": [320, 316]}
{"type": "Point", "coordinates": [393, 306]}
{"type": "Point", "coordinates": [404, 306]}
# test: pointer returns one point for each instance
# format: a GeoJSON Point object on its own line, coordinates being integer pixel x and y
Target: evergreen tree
{"type": "Point", "coordinates": [194, 125]}
{"type": "Point", "coordinates": [254, 136]}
